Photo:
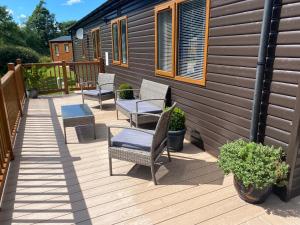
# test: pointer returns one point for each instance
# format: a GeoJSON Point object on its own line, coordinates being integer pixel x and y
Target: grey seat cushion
{"type": "Point", "coordinates": [96, 92]}
{"type": "Point", "coordinates": [143, 107]}
{"type": "Point", "coordinates": [133, 139]}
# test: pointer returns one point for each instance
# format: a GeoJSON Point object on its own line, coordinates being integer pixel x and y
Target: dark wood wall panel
{"type": "Point", "coordinates": [221, 110]}
{"type": "Point", "coordinates": [284, 93]}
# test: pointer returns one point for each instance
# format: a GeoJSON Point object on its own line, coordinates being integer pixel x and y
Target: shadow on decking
{"type": "Point", "coordinates": [42, 184]}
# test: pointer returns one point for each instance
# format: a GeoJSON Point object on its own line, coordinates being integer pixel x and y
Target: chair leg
{"type": "Point", "coordinates": [153, 174]}
{"type": "Point", "coordinates": [65, 134]}
{"type": "Point", "coordinates": [130, 119]}
{"type": "Point", "coordinates": [117, 114]}
{"type": "Point", "coordinates": [110, 165]}
{"type": "Point", "coordinates": [169, 155]}
{"type": "Point", "coordinates": [82, 99]}
{"type": "Point", "coordinates": [100, 104]}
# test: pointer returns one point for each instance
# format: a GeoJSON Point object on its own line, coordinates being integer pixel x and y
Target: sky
{"type": "Point", "coordinates": [63, 9]}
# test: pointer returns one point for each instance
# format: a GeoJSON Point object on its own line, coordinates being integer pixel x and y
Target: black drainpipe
{"type": "Point", "coordinates": [260, 69]}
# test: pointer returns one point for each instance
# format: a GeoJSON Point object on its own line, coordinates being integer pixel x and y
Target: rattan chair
{"type": "Point", "coordinates": [143, 147]}
{"type": "Point", "coordinates": [105, 88]}
{"type": "Point", "coordinates": [151, 98]}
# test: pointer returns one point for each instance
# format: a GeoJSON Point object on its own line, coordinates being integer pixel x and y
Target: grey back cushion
{"type": "Point", "coordinates": [151, 89]}
{"type": "Point", "coordinates": [104, 78]}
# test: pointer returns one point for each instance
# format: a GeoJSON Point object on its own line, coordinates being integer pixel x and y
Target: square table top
{"type": "Point", "coordinates": [75, 111]}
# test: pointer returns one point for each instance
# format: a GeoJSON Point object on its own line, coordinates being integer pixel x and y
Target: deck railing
{"type": "Point", "coordinates": [54, 77]}
{"type": "Point", "coordinates": [63, 76]}
{"type": "Point", "coordinates": [12, 98]}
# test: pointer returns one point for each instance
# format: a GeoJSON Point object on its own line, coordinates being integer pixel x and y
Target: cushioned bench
{"type": "Point", "coordinates": [151, 98]}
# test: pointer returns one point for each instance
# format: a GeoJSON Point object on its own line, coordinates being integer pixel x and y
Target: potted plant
{"type": "Point", "coordinates": [127, 93]}
{"type": "Point", "coordinates": [33, 81]}
{"type": "Point", "coordinates": [176, 130]}
{"type": "Point", "coordinates": [256, 168]}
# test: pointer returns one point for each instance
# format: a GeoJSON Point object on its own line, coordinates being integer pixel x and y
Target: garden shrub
{"type": "Point", "coordinates": [45, 59]}
{"type": "Point", "coordinates": [177, 120]}
{"type": "Point", "coordinates": [254, 164]}
{"type": "Point", "coordinates": [126, 94]}
{"type": "Point", "coordinates": [9, 54]}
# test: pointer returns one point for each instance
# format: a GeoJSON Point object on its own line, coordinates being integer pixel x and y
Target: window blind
{"type": "Point", "coordinates": [164, 29]}
{"type": "Point", "coordinates": [115, 34]}
{"type": "Point", "coordinates": [191, 39]}
{"type": "Point", "coordinates": [124, 41]}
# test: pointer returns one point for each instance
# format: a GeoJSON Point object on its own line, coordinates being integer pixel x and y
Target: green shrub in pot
{"type": "Point", "coordinates": [256, 168]}
{"type": "Point", "coordinates": [126, 93]}
{"type": "Point", "coordinates": [176, 130]}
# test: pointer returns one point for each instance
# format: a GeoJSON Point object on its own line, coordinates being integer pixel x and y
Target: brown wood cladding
{"type": "Point", "coordinates": [282, 125]}
{"type": "Point", "coordinates": [220, 111]}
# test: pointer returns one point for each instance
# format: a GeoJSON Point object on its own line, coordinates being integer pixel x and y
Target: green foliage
{"type": "Point", "coordinates": [42, 23]}
{"type": "Point", "coordinates": [45, 59]}
{"type": "Point", "coordinates": [254, 164]}
{"type": "Point", "coordinates": [9, 30]}
{"type": "Point", "coordinates": [126, 94]}
{"type": "Point", "coordinates": [177, 120]}
{"type": "Point", "coordinates": [64, 26]}
{"type": "Point", "coordinates": [35, 77]}
{"type": "Point", "coordinates": [9, 54]}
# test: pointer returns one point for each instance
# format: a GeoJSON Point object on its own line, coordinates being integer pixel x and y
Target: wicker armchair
{"type": "Point", "coordinates": [105, 88]}
{"type": "Point", "coordinates": [143, 147]}
{"type": "Point", "coordinates": [151, 98]}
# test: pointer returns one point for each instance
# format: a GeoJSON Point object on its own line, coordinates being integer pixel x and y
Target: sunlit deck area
{"type": "Point", "coordinates": [50, 182]}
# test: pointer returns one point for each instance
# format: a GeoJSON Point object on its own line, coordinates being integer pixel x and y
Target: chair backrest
{"type": "Point", "coordinates": [150, 90]}
{"type": "Point", "coordinates": [104, 78]}
{"type": "Point", "coordinates": [161, 131]}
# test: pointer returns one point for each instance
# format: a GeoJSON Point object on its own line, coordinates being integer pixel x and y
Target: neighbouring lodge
{"type": "Point", "coordinates": [207, 52]}
{"type": "Point", "coordinates": [61, 49]}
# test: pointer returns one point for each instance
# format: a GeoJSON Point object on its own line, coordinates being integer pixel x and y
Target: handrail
{"type": "Point", "coordinates": [12, 96]}
{"type": "Point", "coordinates": [64, 76]}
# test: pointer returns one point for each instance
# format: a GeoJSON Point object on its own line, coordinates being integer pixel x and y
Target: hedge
{"type": "Point", "coordinates": [9, 54]}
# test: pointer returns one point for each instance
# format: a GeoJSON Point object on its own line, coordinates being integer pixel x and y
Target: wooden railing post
{"type": "Point", "coordinates": [11, 66]}
{"type": "Point", "coordinates": [64, 68]}
{"type": "Point", "coordinates": [101, 65]}
{"type": "Point", "coordinates": [5, 122]}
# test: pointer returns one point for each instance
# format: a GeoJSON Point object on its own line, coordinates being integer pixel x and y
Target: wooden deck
{"type": "Point", "coordinates": [53, 183]}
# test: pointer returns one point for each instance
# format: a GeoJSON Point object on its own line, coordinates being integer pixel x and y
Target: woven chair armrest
{"type": "Point", "coordinates": [100, 85]}
{"type": "Point", "coordinates": [130, 128]}
{"type": "Point", "coordinates": [84, 83]}
{"type": "Point", "coordinates": [146, 114]}
{"type": "Point", "coordinates": [119, 90]}
{"type": "Point", "coordinates": [151, 99]}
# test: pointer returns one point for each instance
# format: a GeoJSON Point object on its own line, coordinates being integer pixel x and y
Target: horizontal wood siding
{"type": "Point", "coordinates": [283, 112]}
{"type": "Point", "coordinates": [221, 110]}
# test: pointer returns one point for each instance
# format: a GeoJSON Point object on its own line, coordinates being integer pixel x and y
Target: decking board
{"type": "Point", "coordinates": [53, 183]}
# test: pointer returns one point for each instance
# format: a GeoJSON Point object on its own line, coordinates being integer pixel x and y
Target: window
{"type": "Point", "coordinates": [96, 43]}
{"type": "Point", "coordinates": [66, 47]}
{"type": "Point", "coordinates": [119, 41]}
{"type": "Point", "coordinates": [56, 50]}
{"type": "Point", "coordinates": [181, 33]}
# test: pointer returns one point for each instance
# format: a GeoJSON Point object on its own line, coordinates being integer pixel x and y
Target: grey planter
{"type": "Point", "coordinates": [33, 93]}
{"type": "Point", "coordinates": [252, 195]}
{"type": "Point", "coordinates": [175, 140]}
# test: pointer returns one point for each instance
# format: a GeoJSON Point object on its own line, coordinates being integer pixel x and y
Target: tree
{"type": "Point", "coordinates": [42, 23]}
{"type": "Point", "coordinates": [64, 26]}
{"type": "Point", "coordinates": [9, 30]}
